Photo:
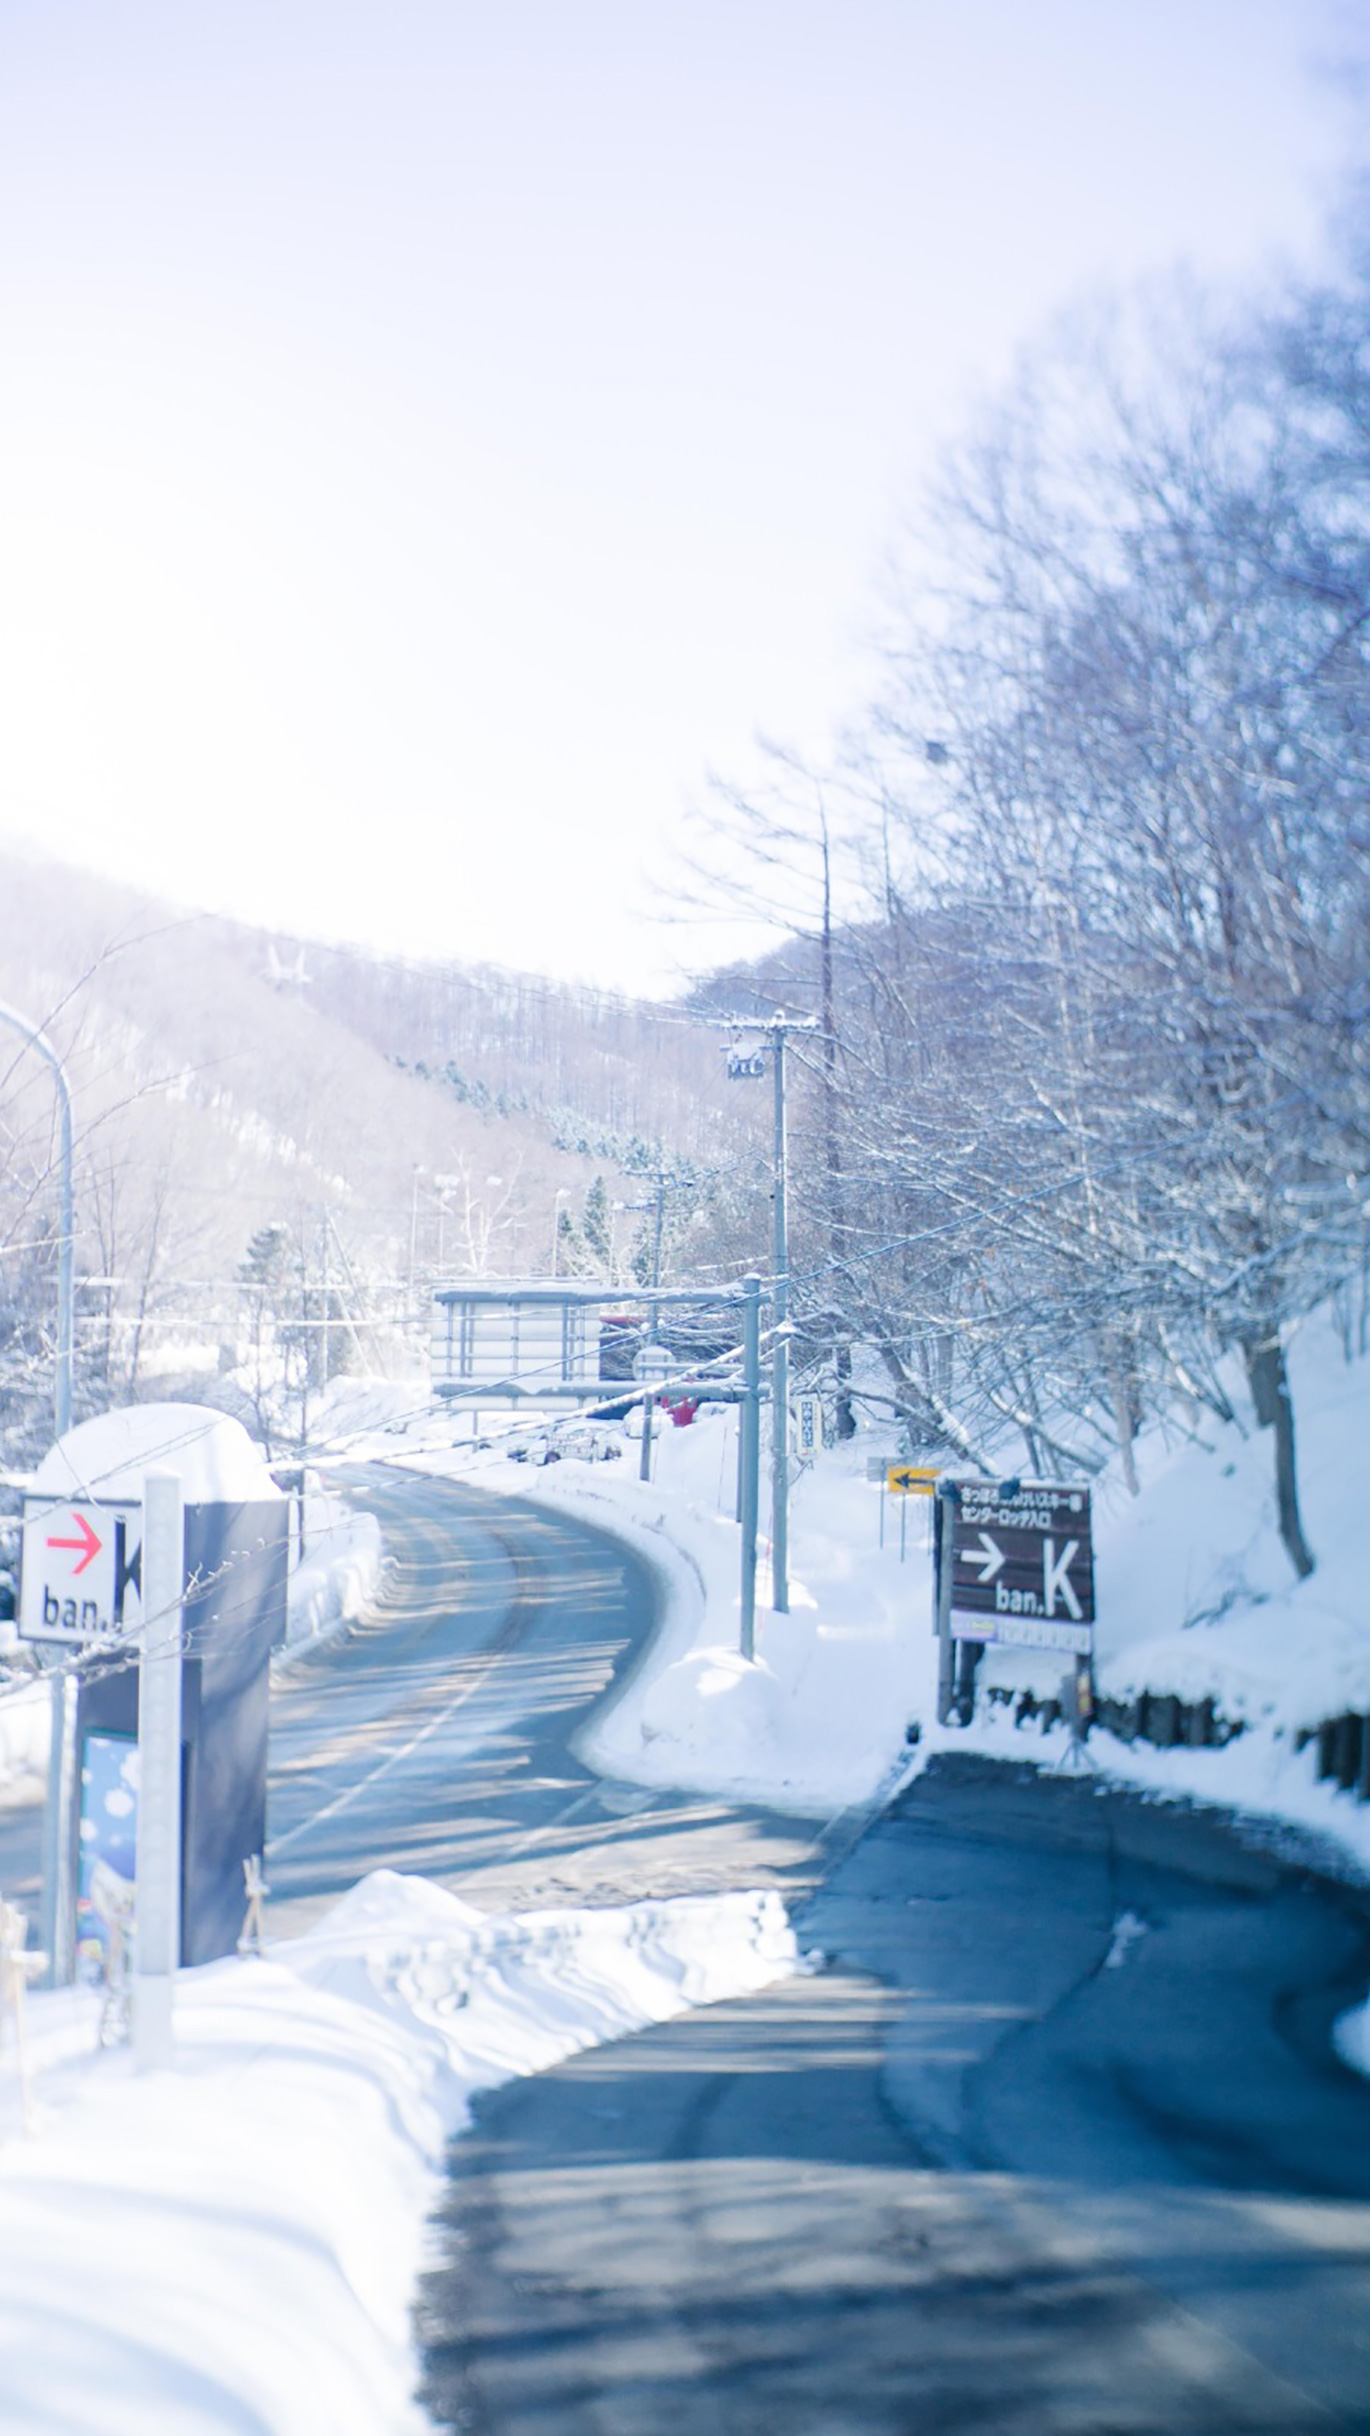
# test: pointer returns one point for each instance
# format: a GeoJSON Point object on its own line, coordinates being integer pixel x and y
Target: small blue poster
{"type": "Point", "coordinates": [109, 1834]}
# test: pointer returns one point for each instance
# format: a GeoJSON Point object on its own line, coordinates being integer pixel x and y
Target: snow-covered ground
{"type": "Point", "coordinates": [1195, 1596]}
{"type": "Point", "coordinates": [234, 2244]}
{"type": "Point", "coordinates": [335, 1563]}
{"type": "Point", "coordinates": [25, 1714]}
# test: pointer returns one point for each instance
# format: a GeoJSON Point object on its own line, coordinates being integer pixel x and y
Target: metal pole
{"type": "Point", "coordinates": [158, 1870]}
{"type": "Point", "coordinates": [59, 1938]}
{"type": "Point", "coordinates": [780, 1349]}
{"type": "Point", "coordinates": [414, 1235]}
{"type": "Point", "coordinates": [66, 1332]}
{"type": "Point", "coordinates": [59, 1893]}
{"type": "Point", "coordinates": [942, 1580]}
{"type": "Point", "coordinates": [749, 1454]}
{"type": "Point", "coordinates": [644, 1467]}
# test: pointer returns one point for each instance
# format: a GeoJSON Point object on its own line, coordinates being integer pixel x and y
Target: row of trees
{"type": "Point", "coordinates": [1093, 1107]}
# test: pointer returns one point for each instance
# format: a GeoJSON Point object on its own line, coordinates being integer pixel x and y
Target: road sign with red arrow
{"type": "Point", "coordinates": [81, 1570]}
{"type": "Point", "coordinates": [85, 1542]}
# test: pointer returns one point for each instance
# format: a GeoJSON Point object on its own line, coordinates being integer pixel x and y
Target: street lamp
{"type": "Point", "coordinates": [62, 1718]}
{"type": "Point", "coordinates": [754, 1039]}
{"type": "Point", "coordinates": [66, 1334]}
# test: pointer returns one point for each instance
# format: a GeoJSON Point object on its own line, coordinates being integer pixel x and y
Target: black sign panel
{"type": "Point", "coordinates": [1022, 1564]}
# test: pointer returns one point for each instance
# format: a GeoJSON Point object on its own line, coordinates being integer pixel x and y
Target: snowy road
{"type": "Point", "coordinates": [437, 1739]}
{"type": "Point", "coordinates": [1056, 2143]}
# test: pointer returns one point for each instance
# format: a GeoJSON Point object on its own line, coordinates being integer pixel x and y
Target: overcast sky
{"type": "Point", "coordinates": [433, 436]}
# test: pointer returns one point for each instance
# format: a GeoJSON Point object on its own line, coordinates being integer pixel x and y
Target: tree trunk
{"type": "Point", "coordinates": [837, 1230]}
{"type": "Point", "coordinates": [1265, 1368]}
{"type": "Point", "coordinates": [1120, 1388]}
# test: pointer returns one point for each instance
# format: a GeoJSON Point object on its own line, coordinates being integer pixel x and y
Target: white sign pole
{"type": "Point", "coordinates": [158, 1910]}
{"type": "Point", "coordinates": [59, 1866]}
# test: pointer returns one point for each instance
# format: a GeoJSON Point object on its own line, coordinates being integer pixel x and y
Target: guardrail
{"type": "Point", "coordinates": [1343, 1752]}
{"type": "Point", "coordinates": [1170, 1723]}
{"type": "Point", "coordinates": [1161, 1718]}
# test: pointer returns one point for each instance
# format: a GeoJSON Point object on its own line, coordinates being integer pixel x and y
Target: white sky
{"type": "Point", "coordinates": [433, 436]}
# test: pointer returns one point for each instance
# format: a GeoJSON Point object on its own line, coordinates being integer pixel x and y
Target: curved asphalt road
{"type": "Point", "coordinates": [437, 1740]}
{"type": "Point", "coordinates": [1054, 2142]}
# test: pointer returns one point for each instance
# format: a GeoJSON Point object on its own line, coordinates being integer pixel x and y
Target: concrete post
{"type": "Point", "coordinates": [780, 1355]}
{"type": "Point", "coordinates": [749, 1454]}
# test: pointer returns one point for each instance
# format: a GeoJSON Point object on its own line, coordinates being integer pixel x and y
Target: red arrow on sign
{"type": "Point", "coordinates": [87, 1542]}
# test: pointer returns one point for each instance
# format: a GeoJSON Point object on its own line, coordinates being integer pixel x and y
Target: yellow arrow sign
{"type": "Point", "coordinates": [909, 1480]}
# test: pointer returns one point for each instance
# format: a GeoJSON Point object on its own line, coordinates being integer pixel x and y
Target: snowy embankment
{"type": "Point", "coordinates": [817, 1722]}
{"type": "Point", "coordinates": [335, 1563]}
{"type": "Point", "coordinates": [1195, 1596]}
{"type": "Point", "coordinates": [236, 2243]}
{"type": "Point", "coordinates": [25, 1725]}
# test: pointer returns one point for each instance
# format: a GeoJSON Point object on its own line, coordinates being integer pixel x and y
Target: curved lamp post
{"type": "Point", "coordinates": [58, 1920]}
{"type": "Point", "coordinates": [37, 1039]}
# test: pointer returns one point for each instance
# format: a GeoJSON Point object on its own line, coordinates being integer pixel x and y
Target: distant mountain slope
{"type": "Point", "coordinates": [633, 1070]}
{"type": "Point", "coordinates": [226, 1080]}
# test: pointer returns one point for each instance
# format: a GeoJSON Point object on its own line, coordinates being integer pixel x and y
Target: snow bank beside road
{"type": "Point", "coordinates": [817, 1723]}
{"type": "Point", "coordinates": [1195, 1597]}
{"type": "Point", "coordinates": [25, 1726]}
{"type": "Point", "coordinates": [236, 2243]}
{"type": "Point", "coordinates": [330, 1584]}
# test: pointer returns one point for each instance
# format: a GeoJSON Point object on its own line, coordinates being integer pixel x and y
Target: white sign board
{"type": "Point", "coordinates": [81, 1577]}
{"type": "Point", "coordinates": [653, 1364]}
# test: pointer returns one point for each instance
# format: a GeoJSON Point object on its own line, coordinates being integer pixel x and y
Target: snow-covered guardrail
{"type": "Point", "coordinates": [335, 1563]}
{"type": "Point", "coordinates": [1170, 1723]}
{"type": "Point", "coordinates": [1343, 1752]}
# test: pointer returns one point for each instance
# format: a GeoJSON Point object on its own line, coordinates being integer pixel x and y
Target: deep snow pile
{"type": "Point", "coordinates": [335, 1563]}
{"type": "Point", "coordinates": [235, 2243]}
{"type": "Point", "coordinates": [25, 1731]}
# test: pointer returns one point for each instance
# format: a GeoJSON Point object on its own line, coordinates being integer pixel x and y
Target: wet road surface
{"type": "Point", "coordinates": [1054, 2141]}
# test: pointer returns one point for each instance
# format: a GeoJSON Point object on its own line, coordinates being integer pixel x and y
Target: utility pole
{"type": "Point", "coordinates": [644, 1468]}
{"type": "Point", "coordinates": [748, 1456]}
{"type": "Point", "coordinates": [325, 1366]}
{"type": "Point", "coordinates": [746, 1062]}
{"type": "Point", "coordinates": [414, 1234]}
{"type": "Point", "coordinates": [780, 1341]}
